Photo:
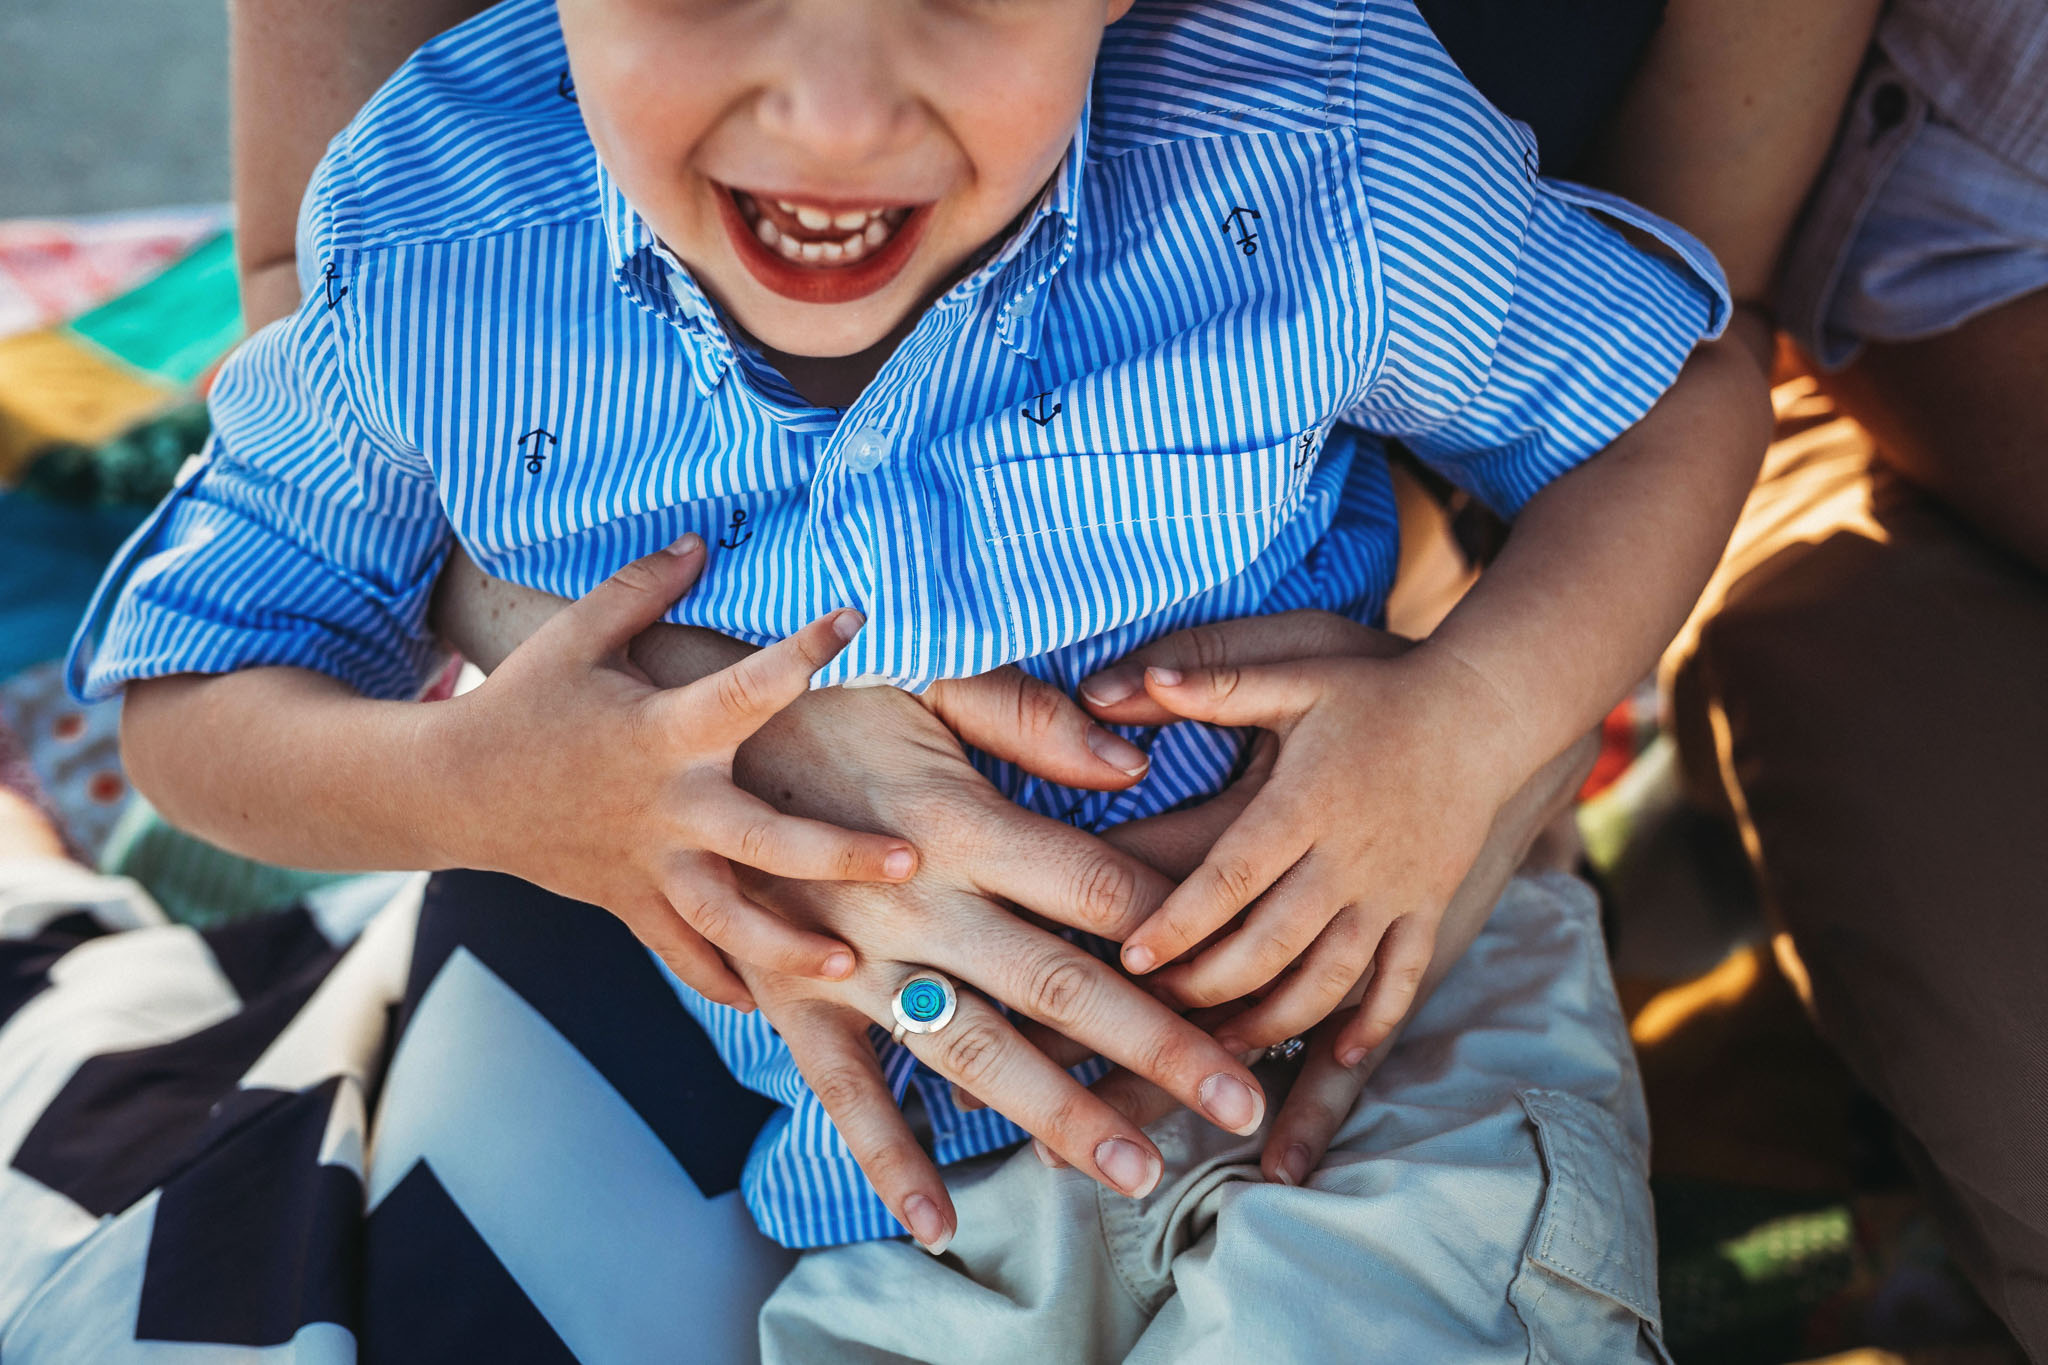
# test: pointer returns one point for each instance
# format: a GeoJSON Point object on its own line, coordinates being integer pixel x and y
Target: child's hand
{"type": "Point", "coordinates": [1383, 793]}
{"type": "Point", "coordinates": [571, 769]}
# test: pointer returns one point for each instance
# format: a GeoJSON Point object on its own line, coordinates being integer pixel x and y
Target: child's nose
{"type": "Point", "coordinates": [839, 99]}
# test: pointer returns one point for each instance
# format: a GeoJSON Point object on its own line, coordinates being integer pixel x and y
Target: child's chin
{"type": "Point", "coordinates": [814, 329]}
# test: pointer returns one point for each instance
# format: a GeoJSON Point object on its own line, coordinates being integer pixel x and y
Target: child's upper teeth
{"type": "Point", "coordinates": [862, 230]}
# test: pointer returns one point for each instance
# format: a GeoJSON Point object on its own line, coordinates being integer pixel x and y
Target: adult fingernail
{"type": "Point", "coordinates": [925, 1223]}
{"type": "Point", "coordinates": [839, 966]}
{"type": "Point", "coordinates": [1164, 677]}
{"type": "Point", "coordinates": [1294, 1165]}
{"type": "Point", "coordinates": [846, 624]}
{"type": "Point", "coordinates": [1047, 1157]}
{"type": "Point", "coordinates": [686, 544]}
{"type": "Point", "coordinates": [1139, 958]}
{"type": "Point", "coordinates": [1118, 752]}
{"type": "Point", "coordinates": [1129, 1167]}
{"type": "Point", "coordinates": [1231, 1103]}
{"type": "Point", "coordinates": [899, 864]}
{"type": "Point", "coordinates": [1351, 1057]}
{"type": "Point", "coordinates": [1107, 689]}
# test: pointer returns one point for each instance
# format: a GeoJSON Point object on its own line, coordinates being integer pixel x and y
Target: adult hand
{"type": "Point", "coordinates": [869, 759]}
{"type": "Point", "coordinates": [878, 758]}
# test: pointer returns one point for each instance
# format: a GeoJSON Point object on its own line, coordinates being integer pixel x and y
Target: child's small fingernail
{"type": "Point", "coordinates": [687, 544]}
{"type": "Point", "coordinates": [899, 864]}
{"type": "Point", "coordinates": [1047, 1157]}
{"type": "Point", "coordinates": [1118, 752]}
{"type": "Point", "coordinates": [1351, 1057]}
{"type": "Point", "coordinates": [846, 624]}
{"type": "Point", "coordinates": [1138, 958]}
{"type": "Point", "coordinates": [1294, 1165]}
{"type": "Point", "coordinates": [1164, 677]}
{"type": "Point", "coordinates": [1107, 689]}
{"type": "Point", "coordinates": [839, 966]}
{"type": "Point", "coordinates": [925, 1223]}
{"type": "Point", "coordinates": [1231, 1044]}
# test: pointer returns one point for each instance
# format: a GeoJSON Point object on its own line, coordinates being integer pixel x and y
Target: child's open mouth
{"type": "Point", "coordinates": [820, 252]}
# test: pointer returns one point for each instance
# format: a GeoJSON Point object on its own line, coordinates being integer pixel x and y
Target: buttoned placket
{"type": "Point", "coordinates": [865, 473]}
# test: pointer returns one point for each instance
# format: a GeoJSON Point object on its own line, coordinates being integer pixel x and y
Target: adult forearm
{"type": "Point", "coordinates": [1729, 118]}
{"type": "Point", "coordinates": [1603, 565]}
{"type": "Point", "coordinates": [291, 767]}
{"type": "Point", "coordinates": [1963, 415]}
{"type": "Point", "coordinates": [298, 73]}
{"type": "Point", "coordinates": [486, 619]}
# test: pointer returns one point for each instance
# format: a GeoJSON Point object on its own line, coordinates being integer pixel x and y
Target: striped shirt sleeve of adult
{"type": "Point", "coordinates": [307, 536]}
{"type": "Point", "coordinates": [1524, 333]}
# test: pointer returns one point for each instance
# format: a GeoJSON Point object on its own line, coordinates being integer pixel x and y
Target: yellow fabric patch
{"type": "Point", "coordinates": [53, 389]}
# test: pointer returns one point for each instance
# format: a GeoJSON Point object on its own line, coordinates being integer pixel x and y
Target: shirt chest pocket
{"type": "Point", "coordinates": [1081, 544]}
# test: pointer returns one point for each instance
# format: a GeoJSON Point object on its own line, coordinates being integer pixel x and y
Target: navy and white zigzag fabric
{"type": "Point", "coordinates": [1286, 230]}
{"type": "Point", "coordinates": [392, 1123]}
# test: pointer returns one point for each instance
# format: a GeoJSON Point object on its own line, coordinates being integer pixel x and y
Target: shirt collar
{"type": "Point", "coordinates": [1039, 250]}
{"type": "Point", "coordinates": [649, 274]}
{"type": "Point", "coordinates": [1022, 269]}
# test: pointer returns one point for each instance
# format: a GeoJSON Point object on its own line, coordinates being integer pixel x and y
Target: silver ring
{"type": "Point", "coordinates": [924, 1003]}
{"type": "Point", "coordinates": [1286, 1051]}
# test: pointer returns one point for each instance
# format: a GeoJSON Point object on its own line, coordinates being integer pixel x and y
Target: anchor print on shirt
{"type": "Point", "coordinates": [1037, 413]}
{"type": "Point", "coordinates": [534, 449]}
{"type": "Point", "coordinates": [738, 533]}
{"type": "Point", "coordinates": [1238, 223]}
{"type": "Point", "coordinates": [328, 278]}
{"type": "Point", "coordinates": [1305, 449]}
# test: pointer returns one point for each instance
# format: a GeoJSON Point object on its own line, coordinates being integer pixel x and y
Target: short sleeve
{"type": "Point", "coordinates": [1518, 332]}
{"type": "Point", "coordinates": [1501, 400]}
{"type": "Point", "coordinates": [302, 537]}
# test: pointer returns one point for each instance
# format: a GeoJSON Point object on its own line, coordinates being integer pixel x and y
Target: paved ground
{"type": "Point", "coordinates": [112, 104]}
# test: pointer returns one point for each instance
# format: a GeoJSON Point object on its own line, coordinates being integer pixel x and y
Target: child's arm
{"type": "Point", "coordinates": [1391, 771]}
{"type": "Point", "coordinates": [568, 767]}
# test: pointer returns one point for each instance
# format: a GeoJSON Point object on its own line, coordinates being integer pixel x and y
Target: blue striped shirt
{"type": "Point", "coordinates": [1286, 230]}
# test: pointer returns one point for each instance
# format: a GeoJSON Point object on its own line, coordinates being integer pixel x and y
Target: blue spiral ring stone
{"type": "Point", "coordinates": [924, 1003]}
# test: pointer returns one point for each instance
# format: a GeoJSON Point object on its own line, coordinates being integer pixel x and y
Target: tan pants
{"type": "Point", "coordinates": [1486, 1202]}
{"type": "Point", "coordinates": [1867, 686]}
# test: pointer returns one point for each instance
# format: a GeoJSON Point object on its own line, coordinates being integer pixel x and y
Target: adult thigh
{"type": "Point", "coordinates": [1874, 687]}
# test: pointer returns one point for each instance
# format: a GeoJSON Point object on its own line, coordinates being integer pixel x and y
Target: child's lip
{"type": "Point", "coordinates": [833, 202]}
{"type": "Point", "coordinates": [819, 283]}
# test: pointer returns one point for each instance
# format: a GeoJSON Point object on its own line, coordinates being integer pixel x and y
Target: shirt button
{"type": "Point", "coordinates": [864, 450]}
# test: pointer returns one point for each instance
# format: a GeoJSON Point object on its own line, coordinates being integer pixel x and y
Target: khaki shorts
{"type": "Point", "coordinates": [1486, 1202]}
